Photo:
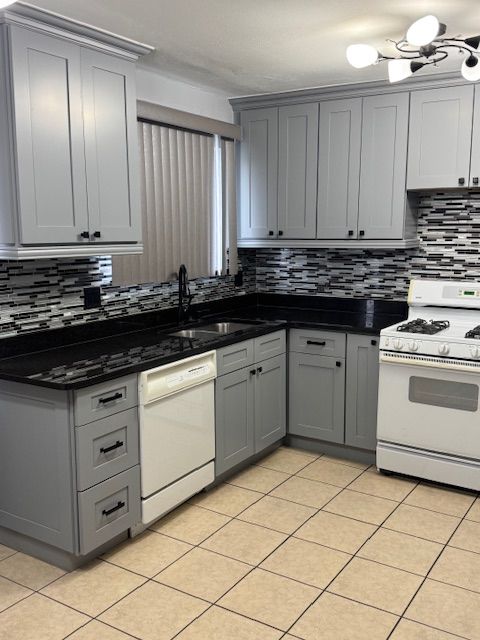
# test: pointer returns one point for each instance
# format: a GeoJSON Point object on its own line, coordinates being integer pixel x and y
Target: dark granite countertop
{"type": "Point", "coordinates": [79, 356]}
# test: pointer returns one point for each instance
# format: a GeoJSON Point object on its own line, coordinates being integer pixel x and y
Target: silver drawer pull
{"type": "Point", "coordinates": [117, 445]}
{"type": "Point", "coordinates": [119, 505]}
{"type": "Point", "coordinates": [116, 396]}
{"type": "Point", "coordinates": [319, 344]}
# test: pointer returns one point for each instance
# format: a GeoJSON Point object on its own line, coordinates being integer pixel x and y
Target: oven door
{"type": "Point", "coordinates": [429, 403]}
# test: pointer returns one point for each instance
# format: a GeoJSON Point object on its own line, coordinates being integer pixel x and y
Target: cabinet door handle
{"type": "Point", "coordinates": [97, 234]}
{"type": "Point", "coordinates": [475, 181]}
{"type": "Point", "coordinates": [461, 181]}
{"type": "Point", "coordinates": [315, 342]}
{"type": "Point", "coordinates": [338, 363]}
{"type": "Point", "coordinates": [116, 396]}
{"type": "Point", "coordinates": [270, 233]}
{"type": "Point", "coordinates": [280, 233]}
{"type": "Point", "coordinates": [117, 445]}
{"type": "Point", "coordinates": [350, 232]}
{"type": "Point", "coordinates": [253, 372]}
{"type": "Point", "coordinates": [85, 235]}
{"type": "Point", "coordinates": [361, 232]}
{"type": "Point", "coordinates": [260, 369]}
{"type": "Point", "coordinates": [108, 512]}
{"type": "Point", "coordinates": [373, 343]}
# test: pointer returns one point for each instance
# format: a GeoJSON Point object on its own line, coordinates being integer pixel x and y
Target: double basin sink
{"type": "Point", "coordinates": [216, 328]}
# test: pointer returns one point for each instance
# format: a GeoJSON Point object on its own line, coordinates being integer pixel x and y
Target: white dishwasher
{"type": "Point", "coordinates": [177, 432]}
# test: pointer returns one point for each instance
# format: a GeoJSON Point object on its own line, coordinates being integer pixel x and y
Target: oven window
{"type": "Point", "coordinates": [443, 393]}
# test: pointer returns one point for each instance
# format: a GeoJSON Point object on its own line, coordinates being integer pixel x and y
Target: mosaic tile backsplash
{"type": "Point", "coordinates": [43, 294]}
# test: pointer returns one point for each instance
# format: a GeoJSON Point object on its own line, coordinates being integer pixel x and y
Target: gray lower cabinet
{"type": "Point", "coordinates": [317, 396]}
{"type": "Point", "coordinates": [250, 405]}
{"type": "Point", "coordinates": [361, 391]}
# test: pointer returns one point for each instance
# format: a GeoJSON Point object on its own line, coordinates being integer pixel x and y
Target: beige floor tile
{"type": "Point", "coordinates": [377, 484]}
{"type": "Point", "coordinates": [448, 501]}
{"type": "Point", "coordinates": [447, 608]}
{"type": "Point", "coordinates": [269, 598]}
{"type": "Point", "coordinates": [474, 511]}
{"type": "Point", "coordinates": [29, 571]}
{"type": "Point", "coordinates": [286, 460]}
{"type": "Point", "coordinates": [336, 618]}
{"type": "Point", "coordinates": [10, 593]}
{"type": "Point", "coordinates": [376, 585]}
{"type": "Point", "coordinates": [458, 567]}
{"type": "Point", "coordinates": [95, 630]}
{"type": "Point", "coordinates": [219, 624]}
{"type": "Point", "coordinates": [308, 492]}
{"type": "Point", "coordinates": [5, 552]}
{"type": "Point", "coordinates": [39, 618]}
{"type": "Point", "coordinates": [154, 612]}
{"type": "Point", "coordinates": [259, 479]}
{"type": "Point", "coordinates": [467, 536]}
{"type": "Point", "coordinates": [322, 470]}
{"type": "Point", "coordinates": [422, 523]}
{"type": "Point", "coordinates": [336, 532]}
{"type": "Point", "coordinates": [274, 513]}
{"type": "Point", "coordinates": [401, 551]}
{"type": "Point", "coordinates": [94, 587]}
{"type": "Point", "coordinates": [204, 574]}
{"type": "Point", "coordinates": [349, 463]}
{"type": "Point", "coordinates": [306, 562]}
{"type": "Point", "coordinates": [148, 554]}
{"type": "Point", "coordinates": [226, 499]}
{"type": "Point", "coordinates": [361, 506]}
{"type": "Point", "coordinates": [408, 630]}
{"type": "Point", "coordinates": [190, 523]}
{"type": "Point", "coordinates": [244, 541]}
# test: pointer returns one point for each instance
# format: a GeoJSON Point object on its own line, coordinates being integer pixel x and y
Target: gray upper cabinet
{"type": "Point", "coordinates": [440, 138]}
{"type": "Point", "coordinates": [297, 170]}
{"type": "Point", "coordinates": [270, 405]}
{"type": "Point", "coordinates": [47, 100]}
{"type": "Point", "coordinates": [475, 159]}
{"type": "Point", "coordinates": [382, 203]}
{"type": "Point", "coordinates": [259, 173]}
{"type": "Point", "coordinates": [361, 391]}
{"type": "Point", "coordinates": [339, 168]}
{"type": "Point", "coordinates": [111, 150]}
{"type": "Point", "coordinates": [69, 155]}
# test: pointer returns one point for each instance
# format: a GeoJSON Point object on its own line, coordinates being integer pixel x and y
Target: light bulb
{"type": "Point", "coordinates": [423, 31]}
{"type": "Point", "coordinates": [399, 70]}
{"type": "Point", "coordinates": [471, 68]}
{"type": "Point", "coordinates": [361, 55]}
{"type": "Point", "coordinates": [6, 3]}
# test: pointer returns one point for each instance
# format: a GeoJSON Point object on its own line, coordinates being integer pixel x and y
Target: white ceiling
{"type": "Point", "coordinates": [257, 46]}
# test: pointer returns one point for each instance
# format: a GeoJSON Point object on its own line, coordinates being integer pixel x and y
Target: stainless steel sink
{"type": "Point", "coordinates": [227, 327]}
{"type": "Point", "coordinates": [192, 333]}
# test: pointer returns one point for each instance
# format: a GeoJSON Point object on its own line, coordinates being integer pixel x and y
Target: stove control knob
{"type": "Point", "coordinates": [475, 351]}
{"type": "Point", "coordinates": [443, 349]}
{"type": "Point", "coordinates": [397, 344]}
{"type": "Point", "coordinates": [413, 345]}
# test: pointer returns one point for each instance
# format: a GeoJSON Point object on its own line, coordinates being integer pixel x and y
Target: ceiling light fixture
{"type": "Point", "coordinates": [423, 45]}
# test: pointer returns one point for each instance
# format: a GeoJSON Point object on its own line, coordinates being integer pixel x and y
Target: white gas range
{"type": "Point", "coordinates": [429, 386]}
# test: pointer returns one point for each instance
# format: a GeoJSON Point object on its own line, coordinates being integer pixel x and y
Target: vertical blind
{"type": "Point", "coordinates": [188, 206]}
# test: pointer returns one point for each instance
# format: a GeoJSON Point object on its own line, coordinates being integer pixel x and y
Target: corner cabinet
{"type": "Point", "coordinates": [69, 126]}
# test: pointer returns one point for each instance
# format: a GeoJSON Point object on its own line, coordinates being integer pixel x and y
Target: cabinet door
{"type": "Point", "coordinates": [258, 173]}
{"type": "Point", "coordinates": [475, 160]}
{"type": "Point", "coordinates": [339, 168]}
{"type": "Point", "coordinates": [381, 213]}
{"type": "Point", "coordinates": [234, 418]}
{"type": "Point", "coordinates": [111, 147]}
{"type": "Point", "coordinates": [440, 137]}
{"type": "Point", "coordinates": [297, 170]}
{"type": "Point", "coordinates": [316, 397]}
{"type": "Point", "coordinates": [46, 83]}
{"type": "Point", "coordinates": [361, 391]}
{"type": "Point", "coordinates": [270, 401]}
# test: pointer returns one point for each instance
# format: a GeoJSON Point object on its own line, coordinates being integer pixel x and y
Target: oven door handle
{"type": "Point", "coordinates": [432, 363]}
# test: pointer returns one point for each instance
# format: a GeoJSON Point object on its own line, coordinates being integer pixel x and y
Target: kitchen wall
{"type": "Point", "coordinates": [43, 294]}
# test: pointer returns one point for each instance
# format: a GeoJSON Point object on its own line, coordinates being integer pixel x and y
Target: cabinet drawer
{"type": "Point", "coordinates": [106, 447]}
{"type": "Point", "coordinates": [234, 357]}
{"type": "Point", "coordinates": [325, 343]}
{"type": "Point", "coordinates": [108, 509]}
{"type": "Point", "coordinates": [273, 344]}
{"type": "Point", "coordinates": [105, 399]}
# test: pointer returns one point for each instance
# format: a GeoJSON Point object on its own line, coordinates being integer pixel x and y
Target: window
{"type": "Point", "coordinates": [188, 206]}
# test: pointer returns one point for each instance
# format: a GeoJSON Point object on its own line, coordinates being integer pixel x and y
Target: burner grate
{"type": "Point", "coordinates": [474, 333]}
{"type": "Point", "coordinates": [422, 326]}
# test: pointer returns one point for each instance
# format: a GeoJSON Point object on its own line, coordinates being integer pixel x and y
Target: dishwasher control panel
{"type": "Point", "coordinates": [187, 375]}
